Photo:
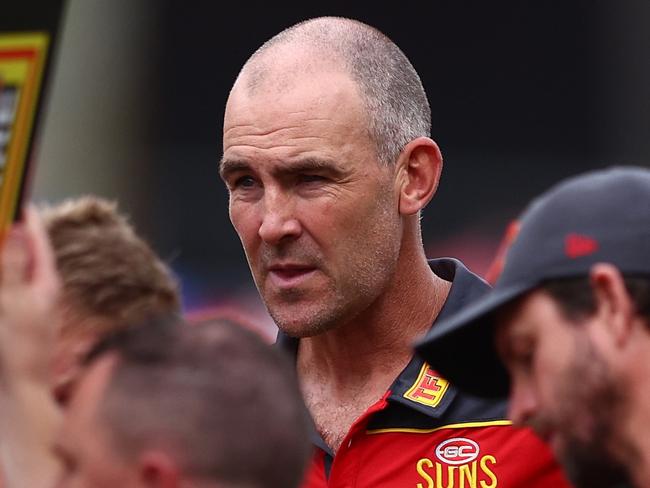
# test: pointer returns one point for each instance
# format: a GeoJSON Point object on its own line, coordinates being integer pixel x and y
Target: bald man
{"type": "Point", "coordinates": [328, 160]}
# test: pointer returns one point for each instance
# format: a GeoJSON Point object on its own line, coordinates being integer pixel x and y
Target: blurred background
{"type": "Point", "coordinates": [522, 94]}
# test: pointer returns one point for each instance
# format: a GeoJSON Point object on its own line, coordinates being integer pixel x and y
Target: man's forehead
{"type": "Point", "coordinates": [513, 320]}
{"type": "Point", "coordinates": [291, 74]}
{"type": "Point", "coordinates": [294, 96]}
{"type": "Point", "coordinates": [324, 112]}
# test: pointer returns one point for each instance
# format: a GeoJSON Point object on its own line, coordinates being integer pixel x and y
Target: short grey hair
{"type": "Point", "coordinates": [391, 90]}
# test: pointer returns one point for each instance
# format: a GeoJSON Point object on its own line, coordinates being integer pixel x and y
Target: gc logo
{"type": "Point", "coordinates": [458, 450]}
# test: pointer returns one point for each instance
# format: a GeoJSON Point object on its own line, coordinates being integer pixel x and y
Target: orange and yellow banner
{"type": "Point", "coordinates": [22, 63]}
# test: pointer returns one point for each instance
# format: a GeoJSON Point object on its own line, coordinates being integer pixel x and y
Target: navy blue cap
{"type": "Point", "coordinates": [598, 217]}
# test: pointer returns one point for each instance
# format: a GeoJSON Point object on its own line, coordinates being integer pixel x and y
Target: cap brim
{"type": "Point", "coordinates": [461, 347]}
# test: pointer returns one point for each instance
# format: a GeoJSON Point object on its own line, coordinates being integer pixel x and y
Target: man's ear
{"type": "Point", "coordinates": [613, 303]}
{"type": "Point", "coordinates": [157, 469]}
{"type": "Point", "coordinates": [419, 168]}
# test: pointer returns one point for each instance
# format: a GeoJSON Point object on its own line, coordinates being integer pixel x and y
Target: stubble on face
{"type": "Point", "coordinates": [350, 233]}
{"type": "Point", "coordinates": [590, 404]}
{"type": "Point", "coordinates": [358, 268]}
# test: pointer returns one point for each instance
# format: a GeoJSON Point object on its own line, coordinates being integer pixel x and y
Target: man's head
{"type": "Point", "coordinates": [569, 346]}
{"type": "Point", "coordinates": [110, 278]}
{"type": "Point", "coordinates": [395, 105]}
{"type": "Point", "coordinates": [328, 162]}
{"type": "Point", "coordinates": [171, 405]}
{"type": "Point", "coordinates": [569, 318]}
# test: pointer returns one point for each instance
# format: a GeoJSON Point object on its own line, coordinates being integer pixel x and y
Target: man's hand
{"type": "Point", "coordinates": [29, 292]}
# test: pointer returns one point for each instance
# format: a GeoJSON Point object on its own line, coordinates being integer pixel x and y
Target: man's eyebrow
{"type": "Point", "coordinates": [310, 164]}
{"type": "Point", "coordinates": [229, 166]}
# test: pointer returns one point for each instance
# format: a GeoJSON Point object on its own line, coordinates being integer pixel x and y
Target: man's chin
{"type": "Point", "coordinates": [300, 330]}
{"type": "Point", "coordinates": [588, 466]}
{"type": "Point", "coordinates": [300, 324]}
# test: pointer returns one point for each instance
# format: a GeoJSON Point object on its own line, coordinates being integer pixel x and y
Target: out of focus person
{"type": "Point", "coordinates": [569, 320]}
{"type": "Point", "coordinates": [110, 277]}
{"type": "Point", "coordinates": [159, 404]}
{"type": "Point", "coordinates": [329, 162]}
{"type": "Point", "coordinates": [107, 277]}
{"type": "Point", "coordinates": [171, 405]}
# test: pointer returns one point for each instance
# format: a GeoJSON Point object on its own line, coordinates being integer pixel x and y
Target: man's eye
{"type": "Point", "coordinates": [307, 178]}
{"type": "Point", "coordinates": [244, 182]}
{"type": "Point", "coordinates": [524, 359]}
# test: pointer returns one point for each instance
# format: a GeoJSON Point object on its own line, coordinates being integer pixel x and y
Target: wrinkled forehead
{"type": "Point", "coordinates": [327, 96]}
{"type": "Point", "coordinates": [316, 116]}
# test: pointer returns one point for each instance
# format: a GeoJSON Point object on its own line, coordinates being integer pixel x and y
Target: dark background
{"type": "Point", "coordinates": [522, 94]}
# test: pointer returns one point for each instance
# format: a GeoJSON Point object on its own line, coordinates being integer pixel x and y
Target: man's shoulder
{"type": "Point", "coordinates": [466, 286]}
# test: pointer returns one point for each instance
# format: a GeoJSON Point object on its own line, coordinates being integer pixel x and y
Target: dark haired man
{"type": "Point", "coordinates": [569, 318]}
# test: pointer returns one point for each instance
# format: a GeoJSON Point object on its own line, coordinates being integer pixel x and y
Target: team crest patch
{"type": "Point", "coordinates": [428, 389]}
{"type": "Point", "coordinates": [457, 463]}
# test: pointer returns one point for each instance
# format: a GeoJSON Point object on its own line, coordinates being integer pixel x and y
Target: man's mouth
{"type": "Point", "coordinates": [290, 275]}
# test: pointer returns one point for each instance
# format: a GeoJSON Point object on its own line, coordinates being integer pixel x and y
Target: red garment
{"type": "Point", "coordinates": [424, 433]}
{"type": "Point", "coordinates": [487, 454]}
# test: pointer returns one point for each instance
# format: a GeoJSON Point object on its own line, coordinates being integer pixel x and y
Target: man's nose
{"type": "Point", "coordinates": [279, 220]}
{"type": "Point", "coordinates": [522, 405]}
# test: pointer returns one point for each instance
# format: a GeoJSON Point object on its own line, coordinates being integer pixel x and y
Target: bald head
{"type": "Point", "coordinates": [392, 95]}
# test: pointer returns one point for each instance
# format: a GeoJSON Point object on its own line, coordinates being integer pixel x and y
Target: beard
{"type": "Point", "coordinates": [593, 403]}
{"type": "Point", "coordinates": [587, 467]}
